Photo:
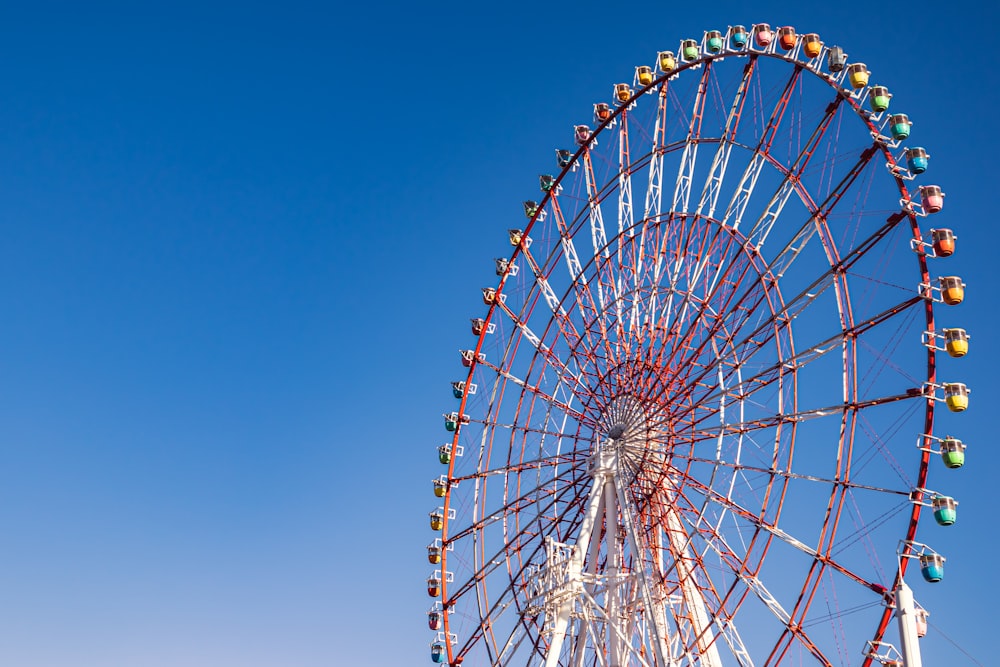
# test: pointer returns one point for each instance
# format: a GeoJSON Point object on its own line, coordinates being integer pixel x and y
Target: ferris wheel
{"type": "Point", "coordinates": [695, 424]}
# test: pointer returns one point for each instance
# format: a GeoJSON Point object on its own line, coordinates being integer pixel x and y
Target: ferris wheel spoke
{"type": "Point", "coordinates": [534, 388]}
{"type": "Point", "coordinates": [670, 327]}
{"type": "Point", "coordinates": [625, 217]}
{"type": "Point", "coordinates": [754, 519]}
{"type": "Point", "coordinates": [748, 181]}
{"type": "Point", "coordinates": [713, 185]}
{"type": "Point", "coordinates": [706, 608]}
{"type": "Point", "coordinates": [573, 380]}
{"type": "Point", "coordinates": [565, 324]}
{"type": "Point", "coordinates": [762, 228]}
{"type": "Point", "coordinates": [751, 582]}
{"type": "Point", "coordinates": [835, 197]}
{"type": "Point", "coordinates": [606, 286]}
{"type": "Point", "coordinates": [783, 260]}
{"type": "Point", "coordinates": [513, 539]}
{"type": "Point", "coordinates": [654, 188]}
{"type": "Point", "coordinates": [514, 639]}
{"type": "Point", "coordinates": [803, 603]}
{"type": "Point", "coordinates": [492, 617]}
{"type": "Point", "coordinates": [682, 188]}
{"type": "Point", "coordinates": [667, 256]}
{"type": "Point", "coordinates": [767, 376]}
{"type": "Point", "coordinates": [599, 237]}
{"type": "Point", "coordinates": [772, 326]}
{"type": "Point", "coordinates": [513, 594]}
{"type": "Point", "coordinates": [621, 286]}
{"type": "Point", "coordinates": [679, 220]}
{"type": "Point", "coordinates": [792, 629]}
{"type": "Point", "coordinates": [684, 347]}
{"type": "Point", "coordinates": [645, 582]}
{"type": "Point", "coordinates": [547, 358]}
{"type": "Point", "coordinates": [752, 425]}
{"type": "Point", "coordinates": [632, 262]}
{"type": "Point", "coordinates": [865, 528]}
{"type": "Point", "coordinates": [777, 472]}
{"type": "Point", "coordinates": [583, 296]}
{"type": "Point", "coordinates": [705, 248]}
{"type": "Point", "coordinates": [743, 312]}
{"type": "Point", "coordinates": [536, 391]}
{"type": "Point", "coordinates": [574, 458]}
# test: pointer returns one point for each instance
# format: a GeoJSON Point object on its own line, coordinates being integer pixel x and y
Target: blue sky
{"type": "Point", "coordinates": [241, 246]}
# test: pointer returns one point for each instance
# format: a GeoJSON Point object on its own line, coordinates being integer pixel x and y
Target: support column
{"type": "Point", "coordinates": [906, 615]}
{"type": "Point", "coordinates": [575, 567]}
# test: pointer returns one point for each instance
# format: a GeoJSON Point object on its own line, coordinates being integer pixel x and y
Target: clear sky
{"type": "Point", "coordinates": [241, 243]}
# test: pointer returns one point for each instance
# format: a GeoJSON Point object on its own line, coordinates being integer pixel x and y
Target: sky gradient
{"type": "Point", "coordinates": [241, 246]}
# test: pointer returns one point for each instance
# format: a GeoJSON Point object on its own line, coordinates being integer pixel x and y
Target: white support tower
{"type": "Point", "coordinates": [591, 608]}
{"type": "Point", "coordinates": [906, 615]}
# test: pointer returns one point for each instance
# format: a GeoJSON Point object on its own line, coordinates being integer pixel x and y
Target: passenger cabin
{"type": "Point", "coordinates": [666, 61]}
{"type": "Point", "coordinates": [433, 554]}
{"type": "Point", "coordinates": [786, 38]}
{"type": "Point", "coordinates": [546, 182]}
{"type": "Point", "coordinates": [440, 487]}
{"type": "Point", "coordinates": [944, 510]}
{"type": "Point", "coordinates": [478, 324]}
{"type": "Point", "coordinates": [514, 236]}
{"type": "Point", "coordinates": [916, 160]}
{"type": "Point", "coordinates": [932, 567]}
{"type": "Point", "coordinates": [931, 198]}
{"type": "Point", "coordinates": [944, 242]}
{"type": "Point", "coordinates": [563, 157]}
{"type": "Point", "coordinates": [434, 619]}
{"type": "Point", "coordinates": [921, 620]}
{"type": "Point", "coordinates": [489, 295]}
{"type": "Point", "coordinates": [502, 264]}
{"type": "Point", "coordinates": [952, 290]}
{"type": "Point", "coordinates": [530, 209]}
{"type": "Point", "coordinates": [738, 37]}
{"type": "Point", "coordinates": [836, 59]}
{"type": "Point", "coordinates": [451, 421]}
{"type": "Point", "coordinates": [433, 586]}
{"type": "Point", "coordinates": [878, 98]}
{"type": "Point", "coordinates": [581, 134]}
{"type": "Point", "coordinates": [952, 452]}
{"type": "Point", "coordinates": [812, 46]}
{"type": "Point", "coordinates": [713, 41]}
{"type": "Point", "coordinates": [469, 356]}
{"type": "Point", "coordinates": [858, 75]}
{"type": "Point", "coordinates": [762, 34]}
{"type": "Point", "coordinates": [623, 92]}
{"type": "Point", "coordinates": [956, 396]}
{"type": "Point", "coordinates": [644, 74]}
{"type": "Point", "coordinates": [444, 456]}
{"type": "Point", "coordinates": [689, 50]}
{"type": "Point", "coordinates": [438, 654]}
{"type": "Point", "coordinates": [458, 388]}
{"type": "Point", "coordinates": [437, 520]}
{"type": "Point", "coordinates": [956, 342]}
{"type": "Point", "coordinates": [899, 126]}
{"type": "Point", "coordinates": [602, 112]}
